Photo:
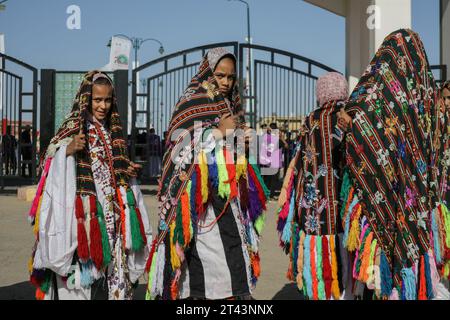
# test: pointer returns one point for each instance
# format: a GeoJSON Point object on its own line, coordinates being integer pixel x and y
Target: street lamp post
{"type": "Point", "coordinates": [137, 43]}
{"type": "Point", "coordinates": [248, 53]}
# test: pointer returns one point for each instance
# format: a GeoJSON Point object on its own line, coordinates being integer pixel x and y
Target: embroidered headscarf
{"type": "Point", "coordinates": [308, 218]}
{"type": "Point", "coordinates": [87, 209]}
{"type": "Point", "coordinates": [389, 156]}
{"type": "Point", "coordinates": [203, 104]}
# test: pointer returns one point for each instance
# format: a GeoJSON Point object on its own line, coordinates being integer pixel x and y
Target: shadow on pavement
{"type": "Point", "coordinates": [288, 292]}
{"type": "Point", "coordinates": [19, 291]}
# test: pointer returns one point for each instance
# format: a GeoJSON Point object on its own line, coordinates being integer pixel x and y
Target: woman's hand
{"type": "Point", "coordinates": [78, 143]}
{"type": "Point", "coordinates": [228, 123]}
{"type": "Point", "coordinates": [344, 120]}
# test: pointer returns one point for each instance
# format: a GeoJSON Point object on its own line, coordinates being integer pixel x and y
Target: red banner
{"type": "Point", "coordinates": [4, 123]}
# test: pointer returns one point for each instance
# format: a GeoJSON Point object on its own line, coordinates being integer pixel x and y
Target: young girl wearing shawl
{"type": "Point", "coordinates": [211, 203]}
{"type": "Point", "coordinates": [88, 214]}
{"type": "Point", "coordinates": [309, 222]}
{"type": "Point", "coordinates": [395, 221]}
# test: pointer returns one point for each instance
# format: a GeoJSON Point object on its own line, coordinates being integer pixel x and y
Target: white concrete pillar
{"type": "Point", "coordinates": [368, 22]}
{"type": "Point", "coordinates": [445, 34]}
{"type": "Point", "coordinates": [357, 40]}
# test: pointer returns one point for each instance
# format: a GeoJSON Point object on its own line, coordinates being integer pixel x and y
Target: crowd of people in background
{"type": "Point", "coordinates": [9, 152]}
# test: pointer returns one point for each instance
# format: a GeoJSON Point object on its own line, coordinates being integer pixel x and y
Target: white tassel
{"type": "Point", "coordinates": [157, 286]}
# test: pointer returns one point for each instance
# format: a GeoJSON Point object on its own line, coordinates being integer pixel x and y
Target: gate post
{"type": "Point", "coordinates": [47, 121]}
{"type": "Point", "coordinates": [121, 88]}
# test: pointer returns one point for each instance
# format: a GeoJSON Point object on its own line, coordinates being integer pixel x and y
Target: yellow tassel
{"type": "Point", "coordinates": [36, 220]}
{"type": "Point", "coordinates": [241, 166]}
{"type": "Point", "coordinates": [203, 163]}
{"type": "Point", "coordinates": [335, 283]}
{"type": "Point", "coordinates": [447, 269]}
{"type": "Point", "coordinates": [353, 235]}
{"type": "Point", "coordinates": [174, 259]}
{"type": "Point", "coordinates": [30, 265]}
{"type": "Point", "coordinates": [365, 258]}
{"type": "Point", "coordinates": [300, 262]}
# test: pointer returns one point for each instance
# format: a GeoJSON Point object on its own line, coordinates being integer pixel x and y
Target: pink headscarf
{"type": "Point", "coordinates": [331, 86]}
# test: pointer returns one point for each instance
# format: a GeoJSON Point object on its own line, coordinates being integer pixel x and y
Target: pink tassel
{"type": "Point", "coordinates": [435, 278]}
{"type": "Point", "coordinates": [285, 210]}
{"type": "Point", "coordinates": [34, 206]}
{"type": "Point", "coordinates": [394, 295]}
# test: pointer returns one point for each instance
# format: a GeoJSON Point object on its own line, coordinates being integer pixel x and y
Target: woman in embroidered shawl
{"type": "Point", "coordinates": [211, 203]}
{"type": "Point", "coordinates": [441, 172]}
{"type": "Point", "coordinates": [88, 214]}
{"type": "Point", "coordinates": [394, 220]}
{"type": "Point", "coordinates": [309, 223]}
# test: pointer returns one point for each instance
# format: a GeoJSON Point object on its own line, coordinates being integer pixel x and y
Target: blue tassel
{"type": "Point", "coordinates": [408, 284]}
{"type": "Point", "coordinates": [85, 274]}
{"type": "Point", "coordinates": [429, 284]}
{"type": "Point", "coordinates": [296, 240]}
{"type": "Point", "coordinates": [386, 276]}
{"type": "Point", "coordinates": [192, 198]}
{"type": "Point", "coordinates": [213, 171]}
{"type": "Point", "coordinates": [434, 227]}
{"type": "Point", "coordinates": [307, 267]}
{"type": "Point", "coordinates": [287, 231]}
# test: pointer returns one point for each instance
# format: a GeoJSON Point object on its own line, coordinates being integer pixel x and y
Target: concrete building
{"type": "Point", "coordinates": [368, 22]}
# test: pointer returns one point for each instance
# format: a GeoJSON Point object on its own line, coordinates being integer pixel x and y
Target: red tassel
{"type": "Point", "coordinates": [422, 281]}
{"type": "Point", "coordinates": [79, 210]}
{"type": "Point", "coordinates": [122, 216]}
{"type": "Point", "coordinates": [327, 277]}
{"type": "Point", "coordinates": [243, 192]}
{"type": "Point", "coordinates": [141, 225]}
{"type": "Point", "coordinates": [96, 243]}
{"type": "Point", "coordinates": [40, 295]}
{"type": "Point", "coordinates": [231, 169]}
{"type": "Point", "coordinates": [261, 195]}
{"type": "Point", "coordinates": [198, 192]}
{"type": "Point", "coordinates": [256, 266]}
{"type": "Point", "coordinates": [34, 281]}
{"type": "Point", "coordinates": [152, 252]}
{"type": "Point", "coordinates": [83, 248]}
{"type": "Point", "coordinates": [174, 289]}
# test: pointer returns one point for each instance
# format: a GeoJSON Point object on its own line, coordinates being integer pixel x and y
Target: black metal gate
{"type": "Point", "coordinates": [18, 114]}
{"type": "Point", "coordinates": [277, 86]}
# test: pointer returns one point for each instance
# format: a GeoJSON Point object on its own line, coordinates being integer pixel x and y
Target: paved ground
{"type": "Point", "coordinates": [16, 241]}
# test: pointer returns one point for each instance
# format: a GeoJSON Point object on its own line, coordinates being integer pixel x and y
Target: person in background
{"type": "Point", "coordinates": [26, 150]}
{"type": "Point", "coordinates": [154, 154]}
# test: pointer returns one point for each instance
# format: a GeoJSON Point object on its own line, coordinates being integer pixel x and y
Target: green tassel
{"type": "Point", "coordinates": [259, 223]}
{"type": "Point", "coordinates": [345, 190]}
{"type": "Point", "coordinates": [151, 276]}
{"type": "Point", "coordinates": [260, 179]}
{"type": "Point", "coordinates": [136, 238]}
{"type": "Point", "coordinates": [105, 240]}
{"type": "Point", "coordinates": [178, 232]}
{"type": "Point", "coordinates": [46, 283]}
{"type": "Point", "coordinates": [188, 190]}
{"type": "Point", "coordinates": [224, 188]}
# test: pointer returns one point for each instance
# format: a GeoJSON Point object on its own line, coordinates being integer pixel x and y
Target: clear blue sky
{"type": "Point", "coordinates": [36, 31]}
